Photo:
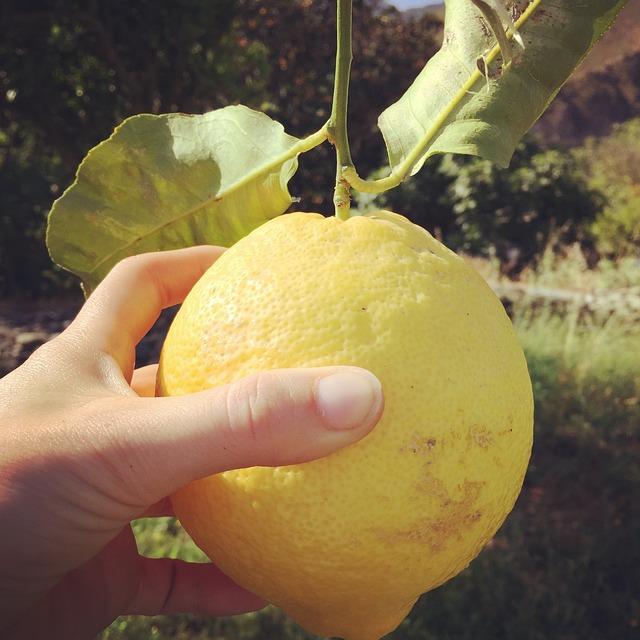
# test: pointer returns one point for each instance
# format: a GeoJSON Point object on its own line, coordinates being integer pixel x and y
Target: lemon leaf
{"type": "Point", "coordinates": [171, 181]}
{"type": "Point", "coordinates": [467, 101]}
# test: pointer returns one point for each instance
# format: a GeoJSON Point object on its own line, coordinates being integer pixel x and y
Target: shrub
{"type": "Point", "coordinates": [612, 165]}
{"type": "Point", "coordinates": [26, 183]}
{"type": "Point", "coordinates": [474, 206]}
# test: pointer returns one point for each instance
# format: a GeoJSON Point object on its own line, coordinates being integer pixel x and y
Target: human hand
{"type": "Point", "coordinates": [84, 450]}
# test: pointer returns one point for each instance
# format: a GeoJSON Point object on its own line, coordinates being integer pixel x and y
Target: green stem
{"type": "Point", "coordinates": [337, 126]}
{"type": "Point", "coordinates": [302, 146]}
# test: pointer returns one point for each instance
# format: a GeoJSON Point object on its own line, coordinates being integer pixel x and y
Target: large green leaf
{"type": "Point", "coordinates": [171, 181]}
{"type": "Point", "coordinates": [453, 107]}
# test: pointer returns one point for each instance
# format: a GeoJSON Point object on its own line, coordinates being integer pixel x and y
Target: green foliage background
{"type": "Point", "coordinates": [71, 71]}
{"type": "Point", "coordinates": [482, 208]}
{"type": "Point", "coordinates": [612, 165]}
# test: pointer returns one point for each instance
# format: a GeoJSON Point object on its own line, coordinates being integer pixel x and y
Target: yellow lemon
{"type": "Point", "coordinates": [346, 544]}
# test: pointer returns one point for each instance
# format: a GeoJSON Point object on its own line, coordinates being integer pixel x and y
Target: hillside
{"type": "Point", "coordinates": [622, 40]}
{"type": "Point", "coordinates": [604, 90]}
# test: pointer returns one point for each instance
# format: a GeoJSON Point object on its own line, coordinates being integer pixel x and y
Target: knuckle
{"type": "Point", "coordinates": [51, 350]}
{"type": "Point", "coordinates": [131, 263]}
{"type": "Point", "coordinates": [132, 267]}
{"type": "Point", "coordinates": [248, 407]}
{"type": "Point", "coordinates": [125, 468]}
{"type": "Point", "coordinates": [61, 349]}
{"type": "Point", "coordinates": [143, 267]}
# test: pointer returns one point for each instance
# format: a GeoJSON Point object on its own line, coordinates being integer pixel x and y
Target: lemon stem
{"type": "Point", "coordinates": [337, 126]}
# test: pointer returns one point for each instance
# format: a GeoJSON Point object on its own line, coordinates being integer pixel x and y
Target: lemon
{"type": "Point", "coordinates": [346, 544]}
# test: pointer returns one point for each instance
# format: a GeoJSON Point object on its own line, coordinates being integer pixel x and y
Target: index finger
{"type": "Point", "coordinates": [129, 300]}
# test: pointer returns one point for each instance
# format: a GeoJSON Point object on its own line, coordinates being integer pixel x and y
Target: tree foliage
{"type": "Point", "coordinates": [475, 206]}
{"type": "Point", "coordinates": [71, 71]}
{"type": "Point", "coordinates": [612, 165]}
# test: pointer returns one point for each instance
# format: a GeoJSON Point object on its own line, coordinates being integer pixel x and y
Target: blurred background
{"type": "Point", "coordinates": [557, 235]}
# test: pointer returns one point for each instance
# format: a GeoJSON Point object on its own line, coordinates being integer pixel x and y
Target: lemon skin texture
{"type": "Point", "coordinates": [346, 544]}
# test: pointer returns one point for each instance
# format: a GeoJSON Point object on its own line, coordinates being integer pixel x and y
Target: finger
{"type": "Point", "coordinates": [161, 509]}
{"type": "Point", "coordinates": [129, 300]}
{"type": "Point", "coordinates": [173, 586]}
{"type": "Point", "coordinates": [273, 418]}
{"type": "Point", "coordinates": [143, 381]}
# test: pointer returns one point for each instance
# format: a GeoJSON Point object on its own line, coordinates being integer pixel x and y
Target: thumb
{"type": "Point", "coordinates": [273, 418]}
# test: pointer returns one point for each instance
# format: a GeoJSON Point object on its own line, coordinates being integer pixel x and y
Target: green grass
{"type": "Point", "coordinates": [165, 538]}
{"type": "Point", "coordinates": [566, 563]}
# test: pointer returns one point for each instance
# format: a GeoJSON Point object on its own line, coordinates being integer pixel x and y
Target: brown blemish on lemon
{"type": "Point", "coordinates": [480, 436]}
{"type": "Point", "coordinates": [457, 516]}
{"type": "Point", "coordinates": [419, 445]}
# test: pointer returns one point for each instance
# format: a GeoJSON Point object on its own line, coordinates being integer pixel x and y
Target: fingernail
{"type": "Point", "coordinates": [348, 399]}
